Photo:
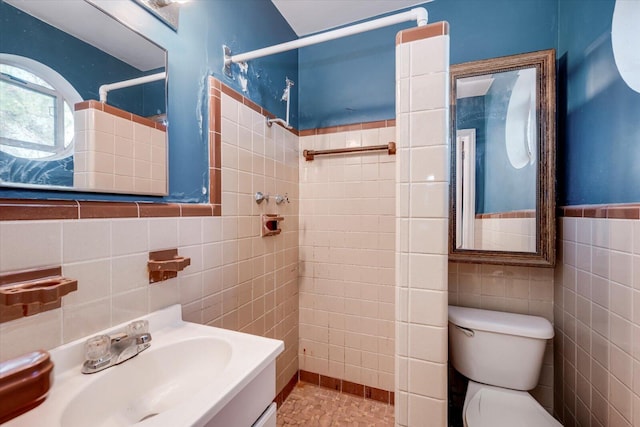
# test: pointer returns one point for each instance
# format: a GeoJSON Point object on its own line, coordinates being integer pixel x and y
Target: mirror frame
{"type": "Point", "coordinates": [545, 65]}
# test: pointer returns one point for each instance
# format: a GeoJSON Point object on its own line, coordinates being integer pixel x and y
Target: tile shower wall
{"type": "Point", "coordinates": [422, 81]}
{"type": "Point", "coordinates": [236, 280]}
{"type": "Point", "coordinates": [597, 311]}
{"type": "Point", "coordinates": [259, 274]}
{"type": "Point", "coordinates": [347, 227]}
{"type": "Point", "coordinates": [524, 290]}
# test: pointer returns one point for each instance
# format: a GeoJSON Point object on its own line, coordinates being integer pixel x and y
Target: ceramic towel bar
{"type": "Point", "coordinates": [309, 155]}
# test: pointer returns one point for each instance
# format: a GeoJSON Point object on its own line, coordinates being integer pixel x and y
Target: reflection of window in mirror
{"type": "Point", "coordinates": [35, 110]}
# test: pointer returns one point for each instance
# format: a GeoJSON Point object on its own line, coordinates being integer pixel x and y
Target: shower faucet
{"type": "Point", "coordinates": [260, 197]}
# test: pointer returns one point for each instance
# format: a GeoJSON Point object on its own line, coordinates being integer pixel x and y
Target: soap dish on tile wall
{"type": "Point", "coordinates": [26, 293]}
{"type": "Point", "coordinates": [271, 224]}
{"type": "Point", "coordinates": [164, 265]}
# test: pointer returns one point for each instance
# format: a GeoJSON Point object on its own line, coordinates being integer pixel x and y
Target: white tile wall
{"type": "Point", "coordinates": [597, 311]}
{"type": "Point", "coordinates": [347, 259]}
{"type": "Point", "coordinates": [108, 258]}
{"type": "Point", "coordinates": [258, 275]}
{"type": "Point", "coordinates": [422, 74]}
{"type": "Point", "coordinates": [236, 279]}
{"type": "Point", "coordinates": [116, 154]}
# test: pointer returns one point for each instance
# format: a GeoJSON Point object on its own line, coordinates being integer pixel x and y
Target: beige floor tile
{"type": "Point", "coordinates": [311, 405]}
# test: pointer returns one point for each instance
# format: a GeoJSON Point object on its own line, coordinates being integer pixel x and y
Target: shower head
{"type": "Point", "coordinates": [287, 89]}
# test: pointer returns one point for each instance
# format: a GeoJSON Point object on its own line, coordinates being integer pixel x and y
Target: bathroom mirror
{"type": "Point", "coordinates": [502, 188]}
{"type": "Point", "coordinates": [54, 57]}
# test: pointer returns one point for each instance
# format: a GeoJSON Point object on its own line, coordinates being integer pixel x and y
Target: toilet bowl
{"type": "Point", "coordinates": [489, 406]}
{"type": "Point", "coordinates": [501, 354]}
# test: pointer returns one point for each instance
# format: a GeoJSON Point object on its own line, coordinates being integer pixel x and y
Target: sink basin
{"type": "Point", "coordinates": [147, 386]}
{"type": "Point", "coordinates": [192, 375]}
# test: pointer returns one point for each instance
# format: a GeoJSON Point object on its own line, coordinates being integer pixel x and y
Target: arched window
{"type": "Point", "coordinates": [36, 110]}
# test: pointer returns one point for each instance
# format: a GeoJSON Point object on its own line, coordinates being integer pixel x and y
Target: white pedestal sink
{"type": "Point", "coordinates": [192, 375]}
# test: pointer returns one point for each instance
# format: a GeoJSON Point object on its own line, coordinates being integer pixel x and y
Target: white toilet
{"type": "Point", "coordinates": [501, 354]}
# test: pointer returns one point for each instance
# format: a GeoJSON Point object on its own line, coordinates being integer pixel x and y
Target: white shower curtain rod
{"type": "Point", "coordinates": [106, 88]}
{"type": "Point", "coordinates": [418, 14]}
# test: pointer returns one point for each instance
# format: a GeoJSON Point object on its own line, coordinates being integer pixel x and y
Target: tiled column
{"type": "Point", "coordinates": [422, 175]}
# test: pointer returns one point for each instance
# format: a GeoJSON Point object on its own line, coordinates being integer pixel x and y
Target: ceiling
{"type": "Point", "coordinates": [86, 22]}
{"type": "Point", "coordinates": [312, 16]}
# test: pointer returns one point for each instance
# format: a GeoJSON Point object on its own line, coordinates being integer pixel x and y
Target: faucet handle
{"type": "Point", "coordinates": [281, 199]}
{"type": "Point", "coordinates": [98, 347]}
{"type": "Point", "coordinates": [260, 197]}
{"type": "Point", "coordinates": [140, 330]}
{"type": "Point", "coordinates": [137, 327]}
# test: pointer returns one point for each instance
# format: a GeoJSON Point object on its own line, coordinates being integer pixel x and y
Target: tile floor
{"type": "Point", "coordinates": [311, 405]}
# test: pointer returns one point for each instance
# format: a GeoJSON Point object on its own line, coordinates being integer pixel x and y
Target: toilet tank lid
{"type": "Point", "coordinates": [500, 322]}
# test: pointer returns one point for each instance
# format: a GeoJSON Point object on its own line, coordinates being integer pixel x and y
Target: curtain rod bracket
{"type": "Point", "coordinates": [226, 67]}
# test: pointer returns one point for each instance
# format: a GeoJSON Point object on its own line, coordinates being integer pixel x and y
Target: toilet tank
{"type": "Point", "coordinates": [496, 348]}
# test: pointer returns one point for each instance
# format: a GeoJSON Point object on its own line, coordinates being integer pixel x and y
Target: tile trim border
{"type": "Point", "coordinates": [348, 128]}
{"type": "Point", "coordinates": [34, 210]}
{"type": "Point", "coordinates": [37, 209]}
{"type": "Point", "coordinates": [286, 390]}
{"type": "Point", "coordinates": [348, 387]}
{"type": "Point", "coordinates": [614, 211]}
{"type": "Point", "coordinates": [215, 142]}
{"type": "Point", "coordinates": [101, 106]}
{"type": "Point", "coordinates": [418, 33]}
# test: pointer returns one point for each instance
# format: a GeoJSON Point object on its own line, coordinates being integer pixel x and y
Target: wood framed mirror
{"type": "Point", "coordinates": [503, 150]}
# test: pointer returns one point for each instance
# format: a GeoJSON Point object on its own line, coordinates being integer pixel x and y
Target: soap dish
{"type": "Point", "coordinates": [24, 383]}
{"type": "Point", "coordinates": [26, 293]}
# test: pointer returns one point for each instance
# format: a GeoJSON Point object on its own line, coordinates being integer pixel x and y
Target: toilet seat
{"type": "Point", "coordinates": [488, 406]}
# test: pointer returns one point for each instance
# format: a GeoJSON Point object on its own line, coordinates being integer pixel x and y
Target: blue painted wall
{"type": "Point", "coordinates": [599, 115]}
{"type": "Point", "coordinates": [353, 79]}
{"type": "Point", "coordinates": [195, 53]}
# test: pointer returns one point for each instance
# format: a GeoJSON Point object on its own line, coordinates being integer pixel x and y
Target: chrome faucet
{"type": "Point", "coordinates": [104, 351]}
